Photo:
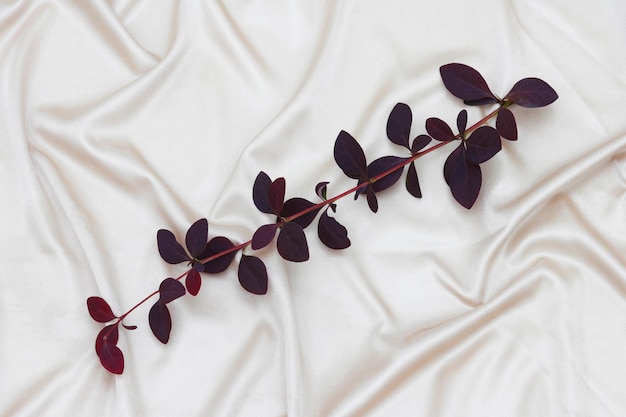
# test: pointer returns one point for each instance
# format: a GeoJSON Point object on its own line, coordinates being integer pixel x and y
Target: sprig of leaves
{"type": "Point", "coordinates": [290, 217]}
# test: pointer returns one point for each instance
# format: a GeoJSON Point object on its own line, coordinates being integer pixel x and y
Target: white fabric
{"type": "Point", "coordinates": [118, 118]}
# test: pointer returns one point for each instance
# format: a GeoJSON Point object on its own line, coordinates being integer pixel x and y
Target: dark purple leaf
{"type": "Point", "coordinates": [532, 92]}
{"type": "Point", "coordinates": [320, 189]}
{"type": "Point", "coordinates": [295, 206]}
{"type": "Point", "coordinates": [291, 243]}
{"type": "Point", "coordinates": [264, 236]}
{"type": "Point", "coordinates": [99, 310]}
{"type": "Point", "coordinates": [108, 335]}
{"type": "Point", "coordinates": [420, 143]}
{"type": "Point", "coordinates": [467, 84]}
{"type": "Point", "coordinates": [261, 191]}
{"type": "Point", "coordinates": [217, 245]}
{"type": "Point", "coordinates": [505, 124]}
{"type": "Point", "coordinates": [129, 327]}
{"type": "Point", "coordinates": [170, 289]}
{"type": "Point", "coordinates": [193, 281]}
{"type": "Point", "coordinates": [412, 182]}
{"type": "Point", "coordinates": [372, 201]}
{"type": "Point", "coordinates": [463, 177]}
{"type": "Point", "coordinates": [439, 129]}
{"type": "Point", "coordinates": [461, 121]}
{"type": "Point", "coordinates": [170, 250]}
{"type": "Point", "coordinates": [399, 125]}
{"type": "Point", "coordinates": [350, 157]}
{"type": "Point", "coordinates": [160, 321]}
{"type": "Point", "coordinates": [196, 237]}
{"type": "Point", "coordinates": [331, 233]}
{"type": "Point", "coordinates": [277, 195]}
{"type": "Point", "coordinates": [112, 358]}
{"type": "Point", "coordinates": [382, 165]}
{"type": "Point", "coordinates": [252, 274]}
{"type": "Point", "coordinates": [482, 145]}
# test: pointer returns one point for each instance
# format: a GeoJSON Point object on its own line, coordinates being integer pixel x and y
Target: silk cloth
{"type": "Point", "coordinates": [118, 118]}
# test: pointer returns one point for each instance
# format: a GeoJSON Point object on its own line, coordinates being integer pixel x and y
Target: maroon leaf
{"type": "Point", "coordinates": [399, 125]}
{"type": "Point", "coordinates": [193, 281]}
{"type": "Point", "coordinates": [296, 205]}
{"type": "Point", "coordinates": [112, 358]}
{"type": "Point", "coordinates": [505, 124]}
{"type": "Point", "coordinates": [350, 157]}
{"type": "Point", "coordinates": [217, 245]}
{"type": "Point", "coordinates": [160, 321]}
{"type": "Point", "coordinates": [439, 129]}
{"type": "Point", "coordinates": [463, 178]}
{"type": "Point", "coordinates": [108, 335]}
{"type": "Point", "coordinates": [380, 166]}
{"type": "Point", "coordinates": [264, 236]}
{"type": "Point", "coordinates": [261, 191]}
{"type": "Point", "coordinates": [170, 289]}
{"type": "Point", "coordinates": [412, 182]}
{"type": "Point", "coordinates": [171, 251]}
{"type": "Point", "coordinates": [461, 121]}
{"type": "Point", "coordinates": [372, 201]}
{"type": "Point", "coordinates": [276, 195]}
{"type": "Point", "coordinates": [467, 84]}
{"type": "Point", "coordinates": [196, 237]}
{"type": "Point", "coordinates": [420, 143]}
{"type": "Point", "coordinates": [532, 92]}
{"type": "Point", "coordinates": [482, 145]}
{"type": "Point", "coordinates": [332, 233]}
{"type": "Point", "coordinates": [99, 310]}
{"type": "Point", "coordinates": [252, 274]}
{"type": "Point", "coordinates": [291, 243]}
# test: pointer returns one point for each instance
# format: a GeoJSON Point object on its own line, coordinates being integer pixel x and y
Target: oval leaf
{"type": "Point", "coordinates": [372, 201]}
{"type": "Point", "coordinates": [277, 195]}
{"type": "Point", "coordinates": [420, 143]}
{"type": "Point", "coordinates": [399, 125]}
{"type": "Point", "coordinates": [412, 182]}
{"type": "Point", "coordinates": [463, 178]}
{"type": "Point", "coordinates": [215, 246]}
{"type": "Point", "coordinates": [196, 237]}
{"type": "Point", "coordinates": [252, 274]}
{"type": "Point", "coordinates": [350, 157]}
{"type": "Point", "coordinates": [332, 233]}
{"type": "Point", "coordinates": [170, 289]}
{"type": "Point", "coordinates": [297, 205]}
{"type": "Point", "coordinates": [108, 335]}
{"type": "Point", "coordinates": [160, 321]}
{"type": "Point", "coordinates": [482, 145]}
{"type": "Point", "coordinates": [320, 189]}
{"type": "Point", "coordinates": [264, 236]}
{"type": "Point", "coordinates": [461, 121]}
{"type": "Point", "coordinates": [170, 250]}
{"type": "Point", "coordinates": [193, 281]}
{"type": "Point", "coordinates": [99, 310]}
{"type": "Point", "coordinates": [112, 358]}
{"type": "Point", "coordinates": [439, 129]}
{"type": "Point", "coordinates": [467, 84]}
{"type": "Point", "coordinates": [505, 124]}
{"type": "Point", "coordinates": [291, 243]}
{"type": "Point", "coordinates": [261, 191]}
{"type": "Point", "coordinates": [382, 165]}
{"type": "Point", "coordinates": [532, 92]}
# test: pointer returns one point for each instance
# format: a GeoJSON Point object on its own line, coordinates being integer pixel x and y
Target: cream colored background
{"type": "Point", "coordinates": [118, 118]}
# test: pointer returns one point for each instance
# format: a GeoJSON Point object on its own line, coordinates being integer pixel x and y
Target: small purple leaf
{"type": "Point", "coordinates": [196, 237]}
{"type": "Point", "coordinates": [463, 178]}
{"type": "Point", "coordinates": [420, 143]}
{"type": "Point", "coordinates": [505, 124]}
{"type": "Point", "coordinates": [372, 201]}
{"type": "Point", "coordinates": [439, 129]}
{"type": "Point", "coordinates": [108, 335]}
{"type": "Point", "coordinates": [412, 182]}
{"type": "Point", "coordinates": [160, 321]}
{"type": "Point", "coordinates": [217, 245]}
{"type": "Point", "coordinates": [276, 195]}
{"type": "Point", "coordinates": [261, 191]}
{"type": "Point", "coordinates": [399, 125]}
{"type": "Point", "coordinates": [112, 358]}
{"type": "Point", "coordinates": [350, 157]}
{"type": "Point", "coordinates": [320, 189]}
{"type": "Point", "coordinates": [170, 289]}
{"type": "Point", "coordinates": [99, 310]}
{"type": "Point", "coordinates": [129, 327]}
{"type": "Point", "coordinates": [252, 275]}
{"type": "Point", "coordinates": [461, 121]}
{"type": "Point", "coordinates": [170, 250]}
{"type": "Point", "coordinates": [296, 205]}
{"type": "Point", "coordinates": [264, 236]}
{"type": "Point", "coordinates": [291, 243]}
{"type": "Point", "coordinates": [332, 233]}
{"type": "Point", "coordinates": [532, 92]}
{"type": "Point", "coordinates": [193, 281]}
{"type": "Point", "coordinates": [467, 84]}
{"type": "Point", "coordinates": [382, 165]}
{"type": "Point", "coordinates": [482, 145]}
